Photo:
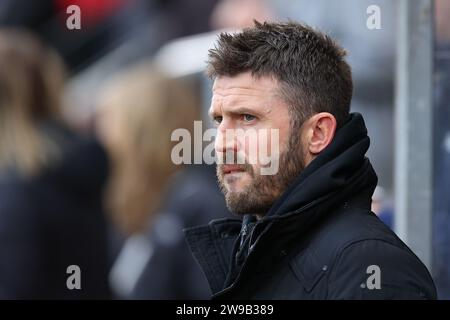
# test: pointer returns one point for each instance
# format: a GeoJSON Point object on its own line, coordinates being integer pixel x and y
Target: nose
{"type": "Point", "coordinates": [226, 139]}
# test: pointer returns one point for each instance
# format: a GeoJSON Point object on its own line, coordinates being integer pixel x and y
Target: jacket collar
{"type": "Point", "coordinates": [211, 246]}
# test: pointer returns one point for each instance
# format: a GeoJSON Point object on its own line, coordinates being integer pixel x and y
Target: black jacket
{"type": "Point", "coordinates": [320, 240]}
{"type": "Point", "coordinates": [52, 221]}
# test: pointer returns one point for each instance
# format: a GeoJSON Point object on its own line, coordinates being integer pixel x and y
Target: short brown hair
{"type": "Point", "coordinates": [313, 75]}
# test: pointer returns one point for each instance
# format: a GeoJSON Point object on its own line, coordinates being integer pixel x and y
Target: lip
{"type": "Point", "coordinates": [229, 168]}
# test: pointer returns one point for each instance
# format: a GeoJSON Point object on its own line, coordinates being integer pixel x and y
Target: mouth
{"type": "Point", "coordinates": [230, 169]}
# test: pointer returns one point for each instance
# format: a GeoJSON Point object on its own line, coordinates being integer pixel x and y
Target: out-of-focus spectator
{"type": "Point", "coordinates": [137, 113]}
{"type": "Point", "coordinates": [50, 183]}
{"type": "Point", "coordinates": [150, 198]}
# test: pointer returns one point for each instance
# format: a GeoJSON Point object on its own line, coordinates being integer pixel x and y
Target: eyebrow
{"type": "Point", "coordinates": [236, 111]}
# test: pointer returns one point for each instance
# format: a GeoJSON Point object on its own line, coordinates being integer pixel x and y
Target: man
{"type": "Point", "coordinates": [307, 231]}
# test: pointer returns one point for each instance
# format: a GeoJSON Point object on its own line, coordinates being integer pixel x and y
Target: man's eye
{"type": "Point", "coordinates": [217, 120]}
{"type": "Point", "coordinates": [249, 117]}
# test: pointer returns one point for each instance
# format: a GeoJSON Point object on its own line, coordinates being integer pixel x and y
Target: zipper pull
{"type": "Point", "coordinates": [245, 222]}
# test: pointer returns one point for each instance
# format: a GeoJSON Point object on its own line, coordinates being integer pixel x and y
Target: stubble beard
{"type": "Point", "coordinates": [263, 190]}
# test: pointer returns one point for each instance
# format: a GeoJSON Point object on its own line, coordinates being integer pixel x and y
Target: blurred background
{"type": "Point", "coordinates": [88, 103]}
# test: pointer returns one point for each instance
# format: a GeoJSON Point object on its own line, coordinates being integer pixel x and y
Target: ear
{"type": "Point", "coordinates": [319, 132]}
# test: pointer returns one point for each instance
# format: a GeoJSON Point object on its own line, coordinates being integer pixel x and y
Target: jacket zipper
{"type": "Point", "coordinates": [229, 288]}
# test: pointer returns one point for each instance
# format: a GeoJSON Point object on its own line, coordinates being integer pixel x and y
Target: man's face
{"type": "Point", "coordinates": [242, 106]}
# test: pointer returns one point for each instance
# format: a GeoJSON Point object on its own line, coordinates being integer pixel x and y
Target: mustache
{"type": "Point", "coordinates": [232, 158]}
{"type": "Point", "coordinates": [243, 167]}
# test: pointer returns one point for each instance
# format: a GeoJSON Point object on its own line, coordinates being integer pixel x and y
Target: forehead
{"type": "Point", "coordinates": [243, 87]}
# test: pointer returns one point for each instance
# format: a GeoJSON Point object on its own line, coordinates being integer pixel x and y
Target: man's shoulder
{"type": "Point", "coordinates": [352, 245]}
{"type": "Point", "coordinates": [349, 226]}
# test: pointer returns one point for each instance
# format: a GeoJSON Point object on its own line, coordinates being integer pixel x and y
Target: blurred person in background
{"type": "Point", "coordinates": [50, 182]}
{"type": "Point", "coordinates": [150, 199]}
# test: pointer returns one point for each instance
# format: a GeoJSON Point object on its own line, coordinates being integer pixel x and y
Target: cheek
{"type": "Point", "coordinates": [280, 131]}
{"type": "Point", "coordinates": [263, 145]}
{"type": "Point", "coordinates": [285, 134]}
{"type": "Point", "coordinates": [272, 144]}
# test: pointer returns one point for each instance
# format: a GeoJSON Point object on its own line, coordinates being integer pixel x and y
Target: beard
{"type": "Point", "coordinates": [263, 190]}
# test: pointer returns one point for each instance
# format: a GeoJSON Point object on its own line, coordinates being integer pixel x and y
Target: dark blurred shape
{"type": "Point", "coordinates": [93, 12]}
{"type": "Point", "coordinates": [106, 25]}
{"type": "Point", "coordinates": [50, 182]}
{"type": "Point", "coordinates": [103, 25]}
{"type": "Point", "coordinates": [29, 14]}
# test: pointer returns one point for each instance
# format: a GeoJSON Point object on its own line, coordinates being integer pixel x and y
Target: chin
{"type": "Point", "coordinates": [236, 182]}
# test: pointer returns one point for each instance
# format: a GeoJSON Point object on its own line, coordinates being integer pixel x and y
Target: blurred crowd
{"type": "Point", "coordinates": [86, 115]}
